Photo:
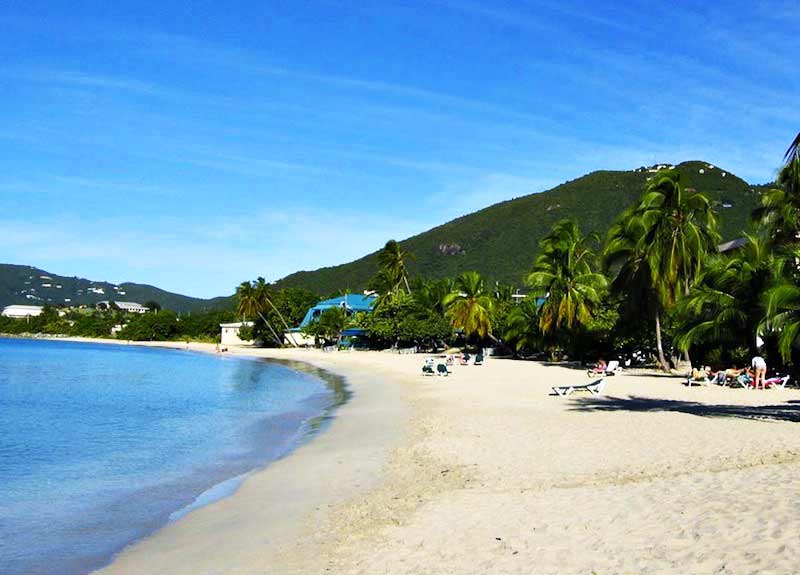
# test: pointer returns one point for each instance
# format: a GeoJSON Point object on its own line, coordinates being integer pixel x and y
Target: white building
{"type": "Point", "coordinates": [128, 306]}
{"type": "Point", "coordinates": [22, 311]}
{"type": "Point", "coordinates": [230, 333]}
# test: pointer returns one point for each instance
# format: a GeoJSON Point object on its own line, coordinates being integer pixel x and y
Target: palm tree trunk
{"type": "Point", "coordinates": [405, 280]}
{"type": "Point", "coordinates": [285, 325]}
{"type": "Point", "coordinates": [661, 359]}
{"type": "Point", "coordinates": [274, 333]}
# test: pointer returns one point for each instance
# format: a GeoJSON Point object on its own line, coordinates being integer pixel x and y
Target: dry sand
{"type": "Point", "coordinates": [485, 472]}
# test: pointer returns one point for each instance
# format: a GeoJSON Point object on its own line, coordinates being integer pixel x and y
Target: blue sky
{"type": "Point", "coordinates": [196, 145]}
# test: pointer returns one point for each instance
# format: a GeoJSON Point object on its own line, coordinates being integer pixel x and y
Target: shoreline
{"type": "Point", "coordinates": [274, 503]}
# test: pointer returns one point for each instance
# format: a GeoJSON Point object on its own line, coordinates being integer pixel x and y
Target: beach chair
{"type": "Point", "coordinates": [479, 359]}
{"type": "Point", "coordinates": [441, 369]}
{"type": "Point", "coordinates": [611, 369]}
{"type": "Point", "coordinates": [690, 381]}
{"type": "Point", "coordinates": [428, 370]}
{"type": "Point", "coordinates": [776, 381]}
{"type": "Point", "coordinates": [595, 388]}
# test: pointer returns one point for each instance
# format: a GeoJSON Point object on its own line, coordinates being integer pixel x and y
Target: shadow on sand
{"type": "Point", "coordinates": [789, 411]}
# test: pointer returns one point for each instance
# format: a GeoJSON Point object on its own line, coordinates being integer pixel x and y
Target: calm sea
{"type": "Point", "coordinates": [102, 444]}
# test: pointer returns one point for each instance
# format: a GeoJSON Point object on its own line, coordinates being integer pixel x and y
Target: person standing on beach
{"type": "Point", "coordinates": [760, 369]}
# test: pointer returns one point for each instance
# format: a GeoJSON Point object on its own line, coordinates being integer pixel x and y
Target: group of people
{"type": "Point", "coordinates": [755, 375]}
{"type": "Point", "coordinates": [463, 358]}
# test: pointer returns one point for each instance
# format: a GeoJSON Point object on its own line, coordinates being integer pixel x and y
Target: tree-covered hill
{"type": "Point", "coordinates": [501, 241]}
{"type": "Point", "coordinates": [34, 286]}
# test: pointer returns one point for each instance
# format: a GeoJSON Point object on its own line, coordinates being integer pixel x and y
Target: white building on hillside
{"type": "Point", "coordinates": [230, 333]}
{"type": "Point", "coordinates": [128, 306]}
{"type": "Point", "coordinates": [22, 311]}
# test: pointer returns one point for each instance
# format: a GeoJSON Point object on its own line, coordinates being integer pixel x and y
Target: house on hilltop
{"type": "Point", "coordinates": [126, 306]}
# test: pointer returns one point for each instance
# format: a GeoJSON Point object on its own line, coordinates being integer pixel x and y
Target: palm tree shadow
{"type": "Point", "coordinates": [789, 411]}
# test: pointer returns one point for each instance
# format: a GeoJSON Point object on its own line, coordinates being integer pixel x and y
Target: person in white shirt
{"type": "Point", "coordinates": [760, 370]}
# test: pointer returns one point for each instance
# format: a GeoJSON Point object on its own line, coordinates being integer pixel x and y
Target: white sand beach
{"type": "Point", "coordinates": [485, 472]}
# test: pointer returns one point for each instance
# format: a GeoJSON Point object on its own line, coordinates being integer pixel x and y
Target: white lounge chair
{"type": "Point", "coordinates": [776, 382]}
{"type": "Point", "coordinates": [595, 388]}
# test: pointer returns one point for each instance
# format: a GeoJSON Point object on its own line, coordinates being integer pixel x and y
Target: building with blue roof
{"type": "Point", "coordinates": [351, 303]}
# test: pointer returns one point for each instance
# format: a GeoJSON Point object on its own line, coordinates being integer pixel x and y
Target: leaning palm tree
{"type": "Point", "coordinates": [564, 277]}
{"type": "Point", "coordinates": [392, 261]}
{"type": "Point", "coordinates": [264, 296]}
{"type": "Point", "coordinates": [250, 303]}
{"type": "Point", "coordinates": [469, 305]}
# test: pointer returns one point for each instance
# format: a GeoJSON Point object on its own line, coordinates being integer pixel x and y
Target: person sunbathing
{"type": "Point", "coordinates": [600, 366]}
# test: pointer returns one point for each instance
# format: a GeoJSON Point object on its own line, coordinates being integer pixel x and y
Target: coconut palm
{"type": "Point", "coordinates": [779, 212]}
{"type": "Point", "coordinates": [430, 294]}
{"type": "Point", "coordinates": [250, 304]}
{"type": "Point", "coordinates": [392, 261]}
{"type": "Point", "coordinates": [264, 296]}
{"type": "Point", "coordinates": [658, 247]}
{"type": "Point", "coordinates": [624, 256]}
{"type": "Point", "coordinates": [680, 230]}
{"type": "Point", "coordinates": [469, 305]}
{"type": "Point", "coordinates": [726, 304]}
{"type": "Point", "coordinates": [522, 325]}
{"type": "Point", "coordinates": [563, 275]}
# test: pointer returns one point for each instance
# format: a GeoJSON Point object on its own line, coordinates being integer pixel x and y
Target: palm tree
{"type": "Point", "coordinates": [779, 212]}
{"type": "Point", "coordinates": [392, 261]}
{"type": "Point", "coordinates": [430, 294]}
{"type": "Point", "coordinates": [726, 304]}
{"type": "Point", "coordinates": [659, 246]}
{"type": "Point", "coordinates": [522, 325]}
{"type": "Point", "coordinates": [469, 305]}
{"type": "Point", "coordinates": [680, 230]}
{"type": "Point", "coordinates": [263, 295]}
{"type": "Point", "coordinates": [624, 253]}
{"type": "Point", "coordinates": [250, 303]}
{"type": "Point", "coordinates": [563, 275]}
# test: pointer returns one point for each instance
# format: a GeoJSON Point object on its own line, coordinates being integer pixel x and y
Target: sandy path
{"type": "Point", "coordinates": [484, 472]}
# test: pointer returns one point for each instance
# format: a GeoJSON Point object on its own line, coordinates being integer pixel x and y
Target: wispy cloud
{"type": "Point", "coordinates": [84, 80]}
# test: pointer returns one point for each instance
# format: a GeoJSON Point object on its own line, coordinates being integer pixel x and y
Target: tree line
{"type": "Point", "coordinates": [655, 286]}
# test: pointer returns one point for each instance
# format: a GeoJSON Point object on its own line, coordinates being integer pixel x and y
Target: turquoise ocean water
{"type": "Point", "coordinates": [103, 444]}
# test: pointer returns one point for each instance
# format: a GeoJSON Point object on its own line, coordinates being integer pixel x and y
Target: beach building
{"type": "Point", "coordinates": [229, 334]}
{"type": "Point", "coordinates": [127, 306]}
{"type": "Point", "coordinates": [22, 311]}
{"type": "Point", "coordinates": [351, 303]}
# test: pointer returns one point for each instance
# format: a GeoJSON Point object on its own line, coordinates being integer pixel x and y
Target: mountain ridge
{"type": "Point", "coordinates": [23, 284]}
{"type": "Point", "coordinates": [501, 240]}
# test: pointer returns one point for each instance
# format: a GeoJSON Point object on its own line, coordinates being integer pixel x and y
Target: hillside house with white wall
{"type": "Point", "coordinates": [22, 311]}
{"type": "Point", "coordinates": [128, 306]}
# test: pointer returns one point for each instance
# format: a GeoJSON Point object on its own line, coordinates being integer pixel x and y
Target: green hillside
{"type": "Point", "coordinates": [501, 241]}
{"type": "Point", "coordinates": [34, 286]}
